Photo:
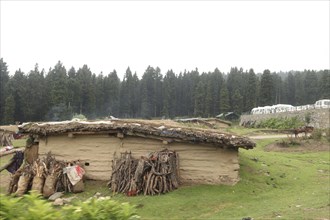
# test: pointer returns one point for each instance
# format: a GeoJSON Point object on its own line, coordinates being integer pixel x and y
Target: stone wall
{"type": "Point", "coordinates": [320, 118]}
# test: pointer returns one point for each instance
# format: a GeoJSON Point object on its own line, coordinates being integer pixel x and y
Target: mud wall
{"type": "Point", "coordinates": [204, 164]}
{"type": "Point", "coordinates": [319, 118]}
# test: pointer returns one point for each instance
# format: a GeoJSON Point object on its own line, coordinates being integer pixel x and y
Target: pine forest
{"type": "Point", "coordinates": [58, 94]}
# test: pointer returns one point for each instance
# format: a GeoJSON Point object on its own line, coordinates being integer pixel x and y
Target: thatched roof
{"type": "Point", "coordinates": [156, 130]}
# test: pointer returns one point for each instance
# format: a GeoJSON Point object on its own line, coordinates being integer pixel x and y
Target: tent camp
{"type": "Point", "coordinates": [205, 155]}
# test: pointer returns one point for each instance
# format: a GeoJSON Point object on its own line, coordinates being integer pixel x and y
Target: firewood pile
{"type": "Point", "coordinates": [156, 174]}
{"type": "Point", "coordinates": [43, 176]}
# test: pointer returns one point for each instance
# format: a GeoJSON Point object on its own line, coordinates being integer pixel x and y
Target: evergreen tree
{"type": "Point", "coordinates": [36, 107]}
{"type": "Point", "coordinates": [266, 89]}
{"type": "Point", "coordinates": [125, 93]}
{"type": "Point", "coordinates": [235, 81]}
{"type": "Point", "coordinates": [191, 80]}
{"type": "Point", "coordinates": [291, 89]}
{"type": "Point", "coordinates": [17, 87]}
{"type": "Point", "coordinates": [237, 102]}
{"type": "Point", "coordinates": [74, 92]}
{"type": "Point", "coordinates": [186, 93]}
{"type": "Point", "coordinates": [325, 85]}
{"type": "Point", "coordinates": [180, 94]}
{"type": "Point", "coordinates": [100, 104]}
{"type": "Point", "coordinates": [158, 97]}
{"type": "Point", "coordinates": [112, 86]}
{"type": "Point", "coordinates": [208, 100]}
{"type": "Point", "coordinates": [311, 88]}
{"type": "Point", "coordinates": [136, 97]}
{"type": "Point", "coordinates": [4, 78]}
{"type": "Point", "coordinates": [277, 89]}
{"type": "Point", "coordinates": [300, 89]}
{"type": "Point", "coordinates": [57, 85]}
{"type": "Point", "coordinates": [217, 81]}
{"type": "Point", "coordinates": [128, 106]}
{"type": "Point", "coordinates": [9, 110]}
{"type": "Point", "coordinates": [169, 94]}
{"type": "Point", "coordinates": [87, 91]}
{"type": "Point", "coordinates": [199, 99]}
{"type": "Point", "coordinates": [251, 91]}
{"type": "Point", "coordinates": [224, 99]}
{"type": "Point", "coordinates": [148, 92]}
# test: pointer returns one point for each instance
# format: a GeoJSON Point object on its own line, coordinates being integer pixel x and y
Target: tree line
{"type": "Point", "coordinates": [58, 94]}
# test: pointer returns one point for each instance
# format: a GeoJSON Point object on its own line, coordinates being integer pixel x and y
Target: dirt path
{"type": "Point", "coordinates": [270, 136]}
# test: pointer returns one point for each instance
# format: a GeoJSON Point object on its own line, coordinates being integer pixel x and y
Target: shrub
{"type": "Point", "coordinates": [291, 141]}
{"type": "Point", "coordinates": [308, 117]}
{"type": "Point", "coordinates": [100, 209]}
{"type": "Point", "coordinates": [27, 207]}
{"type": "Point", "coordinates": [32, 206]}
{"type": "Point", "coordinates": [327, 134]}
{"type": "Point", "coordinates": [80, 117]}
{"type": "Point", "coordinates": [316, 134]}
{"type": "Point", "coordinates": [281, 123]}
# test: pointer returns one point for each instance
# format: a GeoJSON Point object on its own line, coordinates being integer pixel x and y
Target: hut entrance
{"type": "Point", "coordinates": [157, 173]}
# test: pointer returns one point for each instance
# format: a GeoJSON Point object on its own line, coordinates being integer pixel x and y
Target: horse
{"type": "Point", "coordinates": [304, 129]}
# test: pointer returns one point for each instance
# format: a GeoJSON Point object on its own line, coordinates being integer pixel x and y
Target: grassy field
{"type": "Point", "coordinates": [273, 185]}
{"type": "Point", "coordinates": [4, 175]}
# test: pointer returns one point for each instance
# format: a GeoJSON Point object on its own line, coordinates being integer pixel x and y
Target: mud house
{"type": "Point", "coordinates": [206, 156]}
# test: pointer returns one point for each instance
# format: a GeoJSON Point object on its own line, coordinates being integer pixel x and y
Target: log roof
{"type": "Point", "coordinates": [161, 130]}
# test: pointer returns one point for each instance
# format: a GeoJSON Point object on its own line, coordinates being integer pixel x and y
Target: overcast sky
{"type": "Point", "coordinates": [178, 35]}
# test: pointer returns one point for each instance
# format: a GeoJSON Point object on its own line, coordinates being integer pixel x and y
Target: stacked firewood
{"type": "Point", "coordinates": [157, 173]}
{"type": "Point", "coordinates": [44, 176]}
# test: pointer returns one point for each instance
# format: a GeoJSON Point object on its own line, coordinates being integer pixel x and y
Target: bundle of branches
{"type": "Point", "coordinates": [39, 170]}
{"type": "Point", "coordinates": [12, 187]}
{"type": "Point", "coordinates": [156, 174]}
{"type": "Point", "coordinates": [44, 176]}
{"type": "Point", "coordinates": [123, 170]}
{"type": "Point", "coordinates": [20, 182]}
{"type": "Point", "coordinates": [55, 179]}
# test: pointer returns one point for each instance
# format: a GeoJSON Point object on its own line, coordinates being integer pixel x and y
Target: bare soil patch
{"type": "Point", "coordinates": [300, 146]}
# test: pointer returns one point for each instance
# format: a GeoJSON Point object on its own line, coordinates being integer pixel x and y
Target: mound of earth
{"type": "Point", "coordinates": [300, 146]}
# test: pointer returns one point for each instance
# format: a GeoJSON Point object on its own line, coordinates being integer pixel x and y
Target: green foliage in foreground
{"type": "Point", "coordinates": [280, 123]}
{"type": "Point", "coordinates": [31, 207]}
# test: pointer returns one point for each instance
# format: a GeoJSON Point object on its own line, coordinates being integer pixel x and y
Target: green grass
{"type": "Point", "coordinates": [19, 142]}
{"type": "Point", "coordinates": [4, 160]}
{"type": "Point", "coordinates": [290, 185]}
{"type": "Point", "coordinates": [273, 184]}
